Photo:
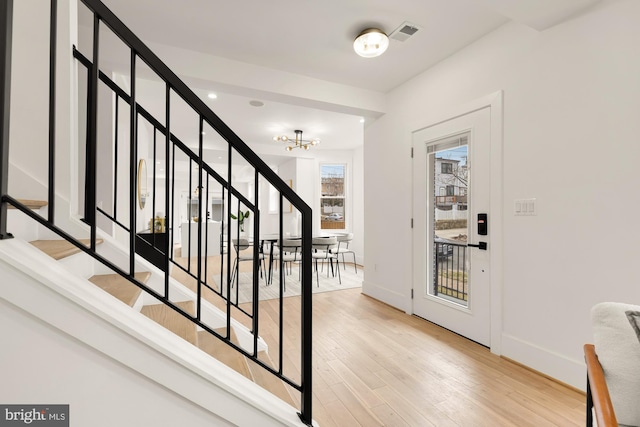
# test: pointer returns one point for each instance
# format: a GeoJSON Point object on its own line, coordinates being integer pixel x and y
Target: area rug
{"type": "Point", "coordinates": [350, 279]}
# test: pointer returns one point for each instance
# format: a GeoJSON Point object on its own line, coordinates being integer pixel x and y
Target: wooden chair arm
{"type": "Point", "coordinates": [597, 390]}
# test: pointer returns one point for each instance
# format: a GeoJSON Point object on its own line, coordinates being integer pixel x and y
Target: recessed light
{"type": "Point", "coordinates": [256, 103]}
{"type": "Point", "coordinates": [361, 120]}
{"type": "Point", "coordinates": [212, 95]}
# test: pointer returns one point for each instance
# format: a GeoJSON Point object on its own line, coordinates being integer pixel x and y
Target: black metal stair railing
{"type": "Point", "coordinates": [121, 211]}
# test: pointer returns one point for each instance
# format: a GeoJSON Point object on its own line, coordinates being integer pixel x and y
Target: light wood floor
{"type": "Point", "coordinates": [376, 366]}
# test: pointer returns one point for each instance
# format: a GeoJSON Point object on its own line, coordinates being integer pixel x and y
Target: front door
{"type": "Point", "coordinates": [452, 279]}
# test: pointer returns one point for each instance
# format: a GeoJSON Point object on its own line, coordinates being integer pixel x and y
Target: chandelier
{"type": "Point", "coordinates": [298, 142]}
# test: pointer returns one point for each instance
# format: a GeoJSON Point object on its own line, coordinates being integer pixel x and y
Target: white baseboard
{"type": "Point", "coordinates": [381, 293]}
{"type": "Point", "coordinates": [569, 371]}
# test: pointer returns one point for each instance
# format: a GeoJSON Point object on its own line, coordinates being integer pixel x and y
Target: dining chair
{"type": "Point", "coordinates": [322, 251]}
{"type": "Point", "coordinates": [343, 248]}
{"type": "Point", "coordinates": [290, 251]}
{"type": "Point", "coordinates": [241, 245]}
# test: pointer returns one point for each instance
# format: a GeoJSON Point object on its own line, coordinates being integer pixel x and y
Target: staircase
{"type": "Point", "coordinates": [101, 243]}
{"type": "Point", "coordinates": [121, 289]}
{"type": "Point", "coordinates": [129, 294]}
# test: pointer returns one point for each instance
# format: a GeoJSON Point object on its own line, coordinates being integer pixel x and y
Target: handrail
{"type": "Point", "coordinates": [156, 64]}
{"type": "Point", "coordinates": [173, 147]}
{"type": "Point", "coordinates": [598, 396]}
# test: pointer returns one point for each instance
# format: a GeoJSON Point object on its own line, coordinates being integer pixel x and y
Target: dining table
{"type": "Point", "coordinates": [272, 238]}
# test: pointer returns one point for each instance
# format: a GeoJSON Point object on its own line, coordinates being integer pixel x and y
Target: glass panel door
{"type": "Point", "coordinates": [448, 222]}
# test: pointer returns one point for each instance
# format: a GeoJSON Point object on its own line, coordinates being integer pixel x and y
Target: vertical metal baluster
{"type": "Point", "coordinates": [229, 242]}
{"type": "Point", "coordinates": [464, 270]}
{"type": "Point", "coordinates": [189, 219]}
{"type": "Point", "coordinates": [53, 37]}
{"type": "Point", "coordinates": [133, 160]}
{"type": "Point", "coordinates": [206, 229]}
{"type": "Point", "coordinates": [115, 159]}
{"type": "Point", "coordinates": [281, 284]}
{"type": "Point", "coordinates": [436, 278]}
{"type": "Point", "coordinates": [200, 153]}
{"type": "Point", "coordinates": [169, 201]}
{"type": "Point", "coordinates": [6, 31]}
{"type": "Point", "coordinates": [173, 206]}
{"type": "Point", "coordinates": [92, 140]}
{"type": "Point", "coordinates": [237, 272]}
{"type": "Point", "coordinates": [306, 320]}
{"type": "Point", "coordinates": [457, 278]}
{"type": "Point", "coordinates": [450, 265]}
{"type": "Point", "coordinates": [222, 232]}
{"type": "Point", "coordinates": [153, 190]}
{"type": "Point", "coordinates": [256, 265]}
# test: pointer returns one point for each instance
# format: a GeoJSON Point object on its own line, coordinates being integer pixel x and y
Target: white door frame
{"type": "Point", "coordinates": [495, 103]}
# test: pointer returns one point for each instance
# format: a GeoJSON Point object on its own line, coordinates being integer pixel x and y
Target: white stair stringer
{"type": "Point", "coordinates": [70, 308]}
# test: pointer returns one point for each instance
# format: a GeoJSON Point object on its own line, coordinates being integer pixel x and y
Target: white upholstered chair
{"type": "Point", "coordinates": [613, 366]}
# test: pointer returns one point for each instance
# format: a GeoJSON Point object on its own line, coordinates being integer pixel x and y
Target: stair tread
{"type": "Point", "coordinates": [120, 287]}
{"type": "Point", "coordinates": [31, 204]}
{"type": "Point", "coordinates": [58, 249]}
{"type": "Point", "coordinates": [222, 352]}
{"type": "Point", "coordinates": [172, 320]}
{"type": "Point", "coordinates": [269, 381]}
{"type": "Point", "coordinates": [243, 365]}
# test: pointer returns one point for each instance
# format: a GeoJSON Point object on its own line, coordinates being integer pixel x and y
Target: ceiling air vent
{"type": "Point", "coordinates": [404, 31]}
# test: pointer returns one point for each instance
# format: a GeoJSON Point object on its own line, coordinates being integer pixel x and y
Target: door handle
{"type": "Point", "coordinates": [481, 245]}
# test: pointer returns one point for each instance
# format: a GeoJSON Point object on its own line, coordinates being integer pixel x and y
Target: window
{"type": "Point", "coordinates": [451, 190]}
{"type": "Point", "coordinates": [332, 200]}
{"type": "Point", "coordinates": [446, 168]}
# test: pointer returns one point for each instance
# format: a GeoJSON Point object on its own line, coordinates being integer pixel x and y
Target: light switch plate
{"type": "Point", "coordinates": [525, 207]}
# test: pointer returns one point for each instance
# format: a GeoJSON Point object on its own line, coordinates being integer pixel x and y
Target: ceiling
{"type": "Point", "coordinates": [314, 39]}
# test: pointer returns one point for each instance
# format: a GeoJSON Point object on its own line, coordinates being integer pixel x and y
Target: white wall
{"type": "Point", "coordinates": [99, 390]}
{"type": "Point", "coordinates": [571, 101]}
{"type": "Point", "coordinates": [30, 93]}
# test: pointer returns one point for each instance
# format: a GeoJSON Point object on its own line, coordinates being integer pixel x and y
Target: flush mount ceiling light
{"type": "Point", "coordinates": [370, 43]}
{"type": "Point", "coordinates": [297, 142]}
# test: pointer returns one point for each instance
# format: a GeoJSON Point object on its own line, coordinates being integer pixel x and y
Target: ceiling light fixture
{"type": "Point", "coordinates": [370, 43]}
{"type": "Point", "coordinates": [212, 95]}
{"type": "Point", "coordinates": [297, 142]}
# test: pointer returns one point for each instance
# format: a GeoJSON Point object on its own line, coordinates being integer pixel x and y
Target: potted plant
{"type": "Point", "coordinates": [241, 217]}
